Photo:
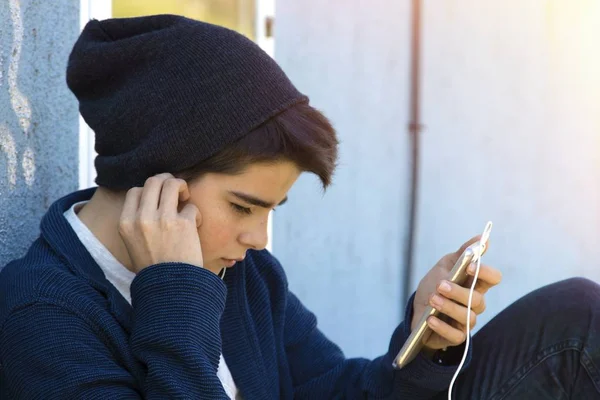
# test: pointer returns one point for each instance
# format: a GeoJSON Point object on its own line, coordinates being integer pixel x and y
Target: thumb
{"type": "Point", "coordinates": [469, 242]}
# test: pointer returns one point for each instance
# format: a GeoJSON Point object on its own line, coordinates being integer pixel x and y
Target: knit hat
{"type": "Point", "coordinates": [163, 93]}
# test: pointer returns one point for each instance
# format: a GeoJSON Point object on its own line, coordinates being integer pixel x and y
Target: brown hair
{"type": "Point", "coordinates": [301, 134]}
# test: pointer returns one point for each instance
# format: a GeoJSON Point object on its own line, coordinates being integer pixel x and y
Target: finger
{"type": "Point", "coordinates": [129, 212]}
{"type": "Point", "coordinates": [449, 333]}
{"type": "Point", "coordinates": [132, 202]}
{"type": "Point", "coordinates": [173, 191]}
{"type": "Point", "coordinates": [460, 295]}
{"type": "Point", "coordinates": [191, 212]}
{"type": "Point", "coordinates": [488, 277]}
{"type": "Point", "coordinates": [469, 242]}
{"type": "Point", "coordinates": [481, 286]}
{"type": "Point", "coordinates": [151, 193]}
{"type": "Point", "coordinates": [453, 310]}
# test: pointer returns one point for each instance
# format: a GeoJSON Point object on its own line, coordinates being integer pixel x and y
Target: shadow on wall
{"type": "Point", "coordinates": [38, 117]}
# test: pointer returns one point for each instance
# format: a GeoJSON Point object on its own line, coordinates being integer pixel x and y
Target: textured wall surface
{"type": "Point", "coordinates": [343, 251]}
{"type": "Point", "coordinates": [38, 116]}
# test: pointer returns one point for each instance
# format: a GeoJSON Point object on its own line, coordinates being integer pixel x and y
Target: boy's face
{"type": "Point", "coordinates": [231, 223]}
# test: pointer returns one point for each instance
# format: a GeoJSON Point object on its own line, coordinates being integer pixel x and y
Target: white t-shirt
{"type": "Point", "coordinates": [121, 278]}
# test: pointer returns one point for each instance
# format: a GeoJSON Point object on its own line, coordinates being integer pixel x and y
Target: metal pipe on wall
{"type": "Point", "coordinates": [414, 129]}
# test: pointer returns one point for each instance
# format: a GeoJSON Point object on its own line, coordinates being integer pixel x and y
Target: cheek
{"type": "Point", "coordinates": [217, 234]}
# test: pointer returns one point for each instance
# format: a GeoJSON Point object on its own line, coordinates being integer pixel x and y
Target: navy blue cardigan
{"type": "Point", "coordinates": [66, 332]}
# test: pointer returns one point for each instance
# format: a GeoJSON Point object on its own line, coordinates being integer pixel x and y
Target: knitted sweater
{"type": "Point", "coordinates": [66, 332]}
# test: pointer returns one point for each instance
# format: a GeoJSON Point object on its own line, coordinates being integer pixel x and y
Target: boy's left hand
{"type": "Point", "coordinates": [452, 302]}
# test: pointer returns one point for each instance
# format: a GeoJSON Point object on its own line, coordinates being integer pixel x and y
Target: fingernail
{"type": "Point", "coordinates": [437, 301]}
{"type": "Point", "coordinates": [444, 287]}
{"type": "Point", "coordinates": [432, 322]}
{"type": "Point", "coordinates": [472, 268]}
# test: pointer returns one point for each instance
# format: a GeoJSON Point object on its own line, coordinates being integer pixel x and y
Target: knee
{"type": "Point", "coordinates": [579, 286]}
{"type": "Point", "coordinates": [575, 291]}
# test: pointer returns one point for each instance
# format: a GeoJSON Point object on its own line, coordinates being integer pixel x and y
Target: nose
{"type": "Point", "coordinates": [256, 238]}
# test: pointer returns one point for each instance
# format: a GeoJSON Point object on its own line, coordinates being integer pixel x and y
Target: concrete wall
{"type": "Point", "coordinates": [342, 251]}
{"type": "Point", "coordinates": [511, 111]}
{"type": "Point", "coordinates": [38, 116]}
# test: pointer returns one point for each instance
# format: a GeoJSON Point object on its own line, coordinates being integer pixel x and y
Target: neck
{"type": "Point", "coordinates": [101, 215]}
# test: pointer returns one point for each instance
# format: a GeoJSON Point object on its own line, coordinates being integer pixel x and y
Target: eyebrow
{"type": "Point", "coordinates": [255, 201]}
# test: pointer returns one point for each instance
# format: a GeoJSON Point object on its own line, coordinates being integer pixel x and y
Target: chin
{"type": "Point", "coordinates": [214, 268]}
{"type": "Point", "coordinates": [217, 266]}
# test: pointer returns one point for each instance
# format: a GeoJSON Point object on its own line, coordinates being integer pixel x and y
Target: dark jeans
{"type": "Point", "coordinates": [545, 346]}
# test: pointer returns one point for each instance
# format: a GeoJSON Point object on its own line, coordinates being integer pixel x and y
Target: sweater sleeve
{"type": "Point", "coordinates": [320, 370]}
{"type": "Point", "coordinates": [52, 350]}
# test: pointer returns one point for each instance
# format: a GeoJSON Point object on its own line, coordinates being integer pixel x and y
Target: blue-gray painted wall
{"type": "Point", "coordinates": [511, 108]}
{"type": "Point", "coordinates": [343, 251]}
{"type": "Point", "coordinates": [38, 116]}
{"type": "Point", "coordinates": [511, 104]}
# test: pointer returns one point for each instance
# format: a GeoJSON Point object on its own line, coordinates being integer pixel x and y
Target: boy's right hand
{"type": "Point", "coordinates": [153, 228]}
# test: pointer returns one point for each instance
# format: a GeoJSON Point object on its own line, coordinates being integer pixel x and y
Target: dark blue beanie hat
{"type": "Point", "coordinates": [163, 93]}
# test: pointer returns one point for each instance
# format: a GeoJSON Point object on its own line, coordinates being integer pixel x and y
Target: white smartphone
{"type": "Point", "coordinates": [458, 275]}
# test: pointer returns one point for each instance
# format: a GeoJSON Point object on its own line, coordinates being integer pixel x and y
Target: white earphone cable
{"type": "Point", "coordinates": [483, 241]}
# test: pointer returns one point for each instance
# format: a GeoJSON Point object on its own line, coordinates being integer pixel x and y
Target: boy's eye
{"type": "Point", "coordinates": [240, 209]}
